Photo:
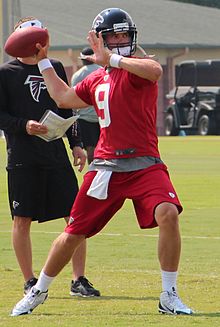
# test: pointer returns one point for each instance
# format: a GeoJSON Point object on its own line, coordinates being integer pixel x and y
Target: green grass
{"type": "Point", "coordinates": [122, 259]}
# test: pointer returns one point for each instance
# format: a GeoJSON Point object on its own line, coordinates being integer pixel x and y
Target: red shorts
{"type": "Point", "coordinates": [147, 188]}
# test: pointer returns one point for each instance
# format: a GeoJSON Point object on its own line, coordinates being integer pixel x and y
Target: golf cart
{"type": "Point", "coordinates": [194, 104]}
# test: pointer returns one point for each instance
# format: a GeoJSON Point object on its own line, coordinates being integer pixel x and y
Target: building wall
{"type": "Point", "coordinates": [160, 54]}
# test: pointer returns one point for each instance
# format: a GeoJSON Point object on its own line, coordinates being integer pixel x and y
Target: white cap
{"type": "Point", "coordinates": [31, 23]}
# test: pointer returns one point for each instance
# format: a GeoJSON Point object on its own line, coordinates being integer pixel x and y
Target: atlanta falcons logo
{"type": "Point", "coordinates": [36, 85]}
{"type": "Point", "coordinates": [97, 21]}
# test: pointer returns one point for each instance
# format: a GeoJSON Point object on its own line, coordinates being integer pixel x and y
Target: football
{"type": "Point", "coordinates": [22, 42]}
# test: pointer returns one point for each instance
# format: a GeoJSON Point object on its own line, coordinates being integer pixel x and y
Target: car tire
{"type": "Point", "coordinates": [170, 129]}
{"type": "Point", "coordinates": [206, 125]}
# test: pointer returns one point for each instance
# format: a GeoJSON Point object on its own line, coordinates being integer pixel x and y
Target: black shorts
{"type": "Point", "coordinates": [89, 132]}
{"type": "Point", "coordinates": [42, 193]}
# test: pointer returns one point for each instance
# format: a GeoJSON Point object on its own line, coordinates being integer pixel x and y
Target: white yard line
{"type": "Point", "coordinates": [132, 235]}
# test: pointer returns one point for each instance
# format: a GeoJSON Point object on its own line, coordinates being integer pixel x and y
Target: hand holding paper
{"type": "Point", "coordinates": [57, 126]}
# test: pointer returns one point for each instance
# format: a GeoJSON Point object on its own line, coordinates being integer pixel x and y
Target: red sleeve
{"type": "Point", "coordinates": [83, 91]}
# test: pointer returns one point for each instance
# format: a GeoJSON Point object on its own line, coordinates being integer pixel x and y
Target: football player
{"type": "Point", "coordinates": [127, 163]}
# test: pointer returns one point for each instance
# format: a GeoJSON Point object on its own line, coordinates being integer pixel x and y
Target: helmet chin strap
{"type": "Point", "coordinates": [122, 51]}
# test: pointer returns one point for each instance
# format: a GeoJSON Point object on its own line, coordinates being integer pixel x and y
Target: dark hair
{"type": "Point", "coordinates": [86, 52]}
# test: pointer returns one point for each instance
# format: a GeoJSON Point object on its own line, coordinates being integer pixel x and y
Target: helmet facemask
{"type": "Point", "coordinates": [122, 48]}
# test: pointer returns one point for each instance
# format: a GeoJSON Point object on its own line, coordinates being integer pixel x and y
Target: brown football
{"type": "Point", "coordinates": [22, 42]}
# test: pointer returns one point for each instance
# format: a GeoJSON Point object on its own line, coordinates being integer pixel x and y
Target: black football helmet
{"type": "Point", "coordinates": [117, 21]}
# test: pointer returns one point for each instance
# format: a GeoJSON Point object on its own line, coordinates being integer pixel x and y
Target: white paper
{"type": "Point", "coordinates": [57, 126]}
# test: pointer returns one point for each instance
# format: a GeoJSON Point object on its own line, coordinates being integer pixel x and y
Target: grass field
{"type": "Point", "coordinates": [122, 259]}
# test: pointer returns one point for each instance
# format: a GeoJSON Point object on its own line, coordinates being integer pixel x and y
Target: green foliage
{"type": "Point", "coordinates": [122, 259]}
{"type": "Point", "coordinates": [206, 3]}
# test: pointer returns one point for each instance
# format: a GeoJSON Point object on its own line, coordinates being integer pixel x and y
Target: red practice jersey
{"type": "Point", "coordinates": [127, 107]}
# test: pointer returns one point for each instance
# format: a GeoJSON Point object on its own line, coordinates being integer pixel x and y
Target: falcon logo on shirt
{"type": "Point", "coordinates": [36, 85]}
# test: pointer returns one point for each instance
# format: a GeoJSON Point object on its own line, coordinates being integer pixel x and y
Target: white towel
{"type": "Point", "coordinates": [99, 186]}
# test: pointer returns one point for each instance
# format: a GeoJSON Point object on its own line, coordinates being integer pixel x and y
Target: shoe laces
{"type": "Point", "coordinates": [31, 296]}
{"type": "Point", "coordinates": [175, 300]}
{"type": "Point", "coordinates": [28, 299]}
{"type": "Point", "coordinates": [84, 281]}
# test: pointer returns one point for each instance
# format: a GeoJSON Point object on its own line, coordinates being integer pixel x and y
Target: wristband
{"type": "Point", "coordinates": [44, 64]}
{"type": "Point", "coordinates": [115, 60]}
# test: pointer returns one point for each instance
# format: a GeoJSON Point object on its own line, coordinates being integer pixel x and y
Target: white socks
{"type": "Point", "coordinates": [43, 282]}
{"type": "Point", "coordinates": [168, 280]}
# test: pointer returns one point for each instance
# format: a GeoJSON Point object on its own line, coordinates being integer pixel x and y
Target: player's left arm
{"type": "Point", "coordinates": [145, 68]}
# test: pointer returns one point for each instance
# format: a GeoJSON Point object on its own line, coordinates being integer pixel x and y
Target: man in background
{"type": "Point", "coordinates": [42, 184]}
{"type": "Point", "coordinates": [88, 120]}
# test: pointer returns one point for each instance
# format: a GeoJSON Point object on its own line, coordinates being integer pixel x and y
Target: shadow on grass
{"type": "Point", "coordinates": [91, 315]}
{"type": "Point", "coordinates": [210, 315]}
{"type": "Point", "coordinates": [207, 314]}
{"type": "Point", "coordinates": [108, 298]}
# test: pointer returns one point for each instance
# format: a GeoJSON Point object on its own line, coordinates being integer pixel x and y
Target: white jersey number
{"type": "Point", "coordinates": [104, 117]}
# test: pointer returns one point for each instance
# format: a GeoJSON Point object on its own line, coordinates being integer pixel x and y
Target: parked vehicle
{"type": "Point", "coordinates": [194, 104]}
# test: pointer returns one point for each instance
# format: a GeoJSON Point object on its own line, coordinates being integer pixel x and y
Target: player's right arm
{"type": "Point", "coordinates": [60, 92]}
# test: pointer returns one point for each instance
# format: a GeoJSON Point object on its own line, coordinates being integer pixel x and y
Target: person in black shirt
{"type": "Point", "coordinates": [42, 184]}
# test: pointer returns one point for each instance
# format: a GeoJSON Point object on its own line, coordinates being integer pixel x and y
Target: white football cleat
{"type": "Point", "coordinates": [170, 303]}
{"type": "Point", "coordinates": [29, 302]}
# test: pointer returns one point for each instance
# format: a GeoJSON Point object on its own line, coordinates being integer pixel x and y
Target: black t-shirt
{"type": "Point", "coordinates": [23, 97]}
